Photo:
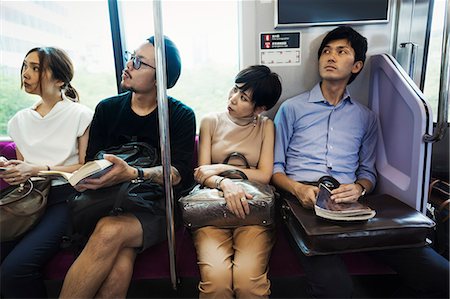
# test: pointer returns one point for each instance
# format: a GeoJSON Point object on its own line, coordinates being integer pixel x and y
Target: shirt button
{"type": "Point", "coordinates": [331, 147]}
{"type": "Point", "coordinates": [331, 128]}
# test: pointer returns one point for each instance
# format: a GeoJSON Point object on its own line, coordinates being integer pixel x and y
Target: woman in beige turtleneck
{"type": "Point", "coordinates": [233, 262]}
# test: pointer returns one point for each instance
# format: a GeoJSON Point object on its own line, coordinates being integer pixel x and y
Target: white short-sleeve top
{"type": "Point", "coordinates": [53, 139]}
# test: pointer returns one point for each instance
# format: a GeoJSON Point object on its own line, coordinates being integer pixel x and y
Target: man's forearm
{"type": "Point", "coordinates": [282, 181]}
{"type": "Point", "coordinates": [155, 174]}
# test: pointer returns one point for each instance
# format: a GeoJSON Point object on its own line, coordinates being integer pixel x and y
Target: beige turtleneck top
{"type": "Point", "coordinates": [229, 134]}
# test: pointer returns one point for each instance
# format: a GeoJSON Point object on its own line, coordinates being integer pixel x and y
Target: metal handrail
{"type": "Point", "coordinates": [164, 135]}
{"type": "Point", "coordinates": [442, 122]}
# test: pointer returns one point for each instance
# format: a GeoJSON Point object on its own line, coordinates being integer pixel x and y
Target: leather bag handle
{"type": "Point", "coordinates": [234, 174]}
{"type": "Point", "coordinates": [32, 212]}
{"type": "Point", "coordinates": [237, 155]}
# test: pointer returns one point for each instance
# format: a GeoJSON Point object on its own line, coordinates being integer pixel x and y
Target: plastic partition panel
{"type": "Point", "coordinates": [403, 158]}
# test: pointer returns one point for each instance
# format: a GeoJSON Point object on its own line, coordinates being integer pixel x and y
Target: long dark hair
{"type": "Point", "coordinates": [59, 63]}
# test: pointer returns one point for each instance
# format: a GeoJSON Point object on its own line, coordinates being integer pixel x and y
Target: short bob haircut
{"type": "Point", "coordinates": [356, 40]}
{"type": "Point", "coordinates": [264, 84]}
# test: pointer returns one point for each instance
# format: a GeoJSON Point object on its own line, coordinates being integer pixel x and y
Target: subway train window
{"type": "Point", "coordinates": [433, 72]}
{"type": "Point", "coordinates": [206, 33]}
{"type": "Point", "coordinates": [83, 33]}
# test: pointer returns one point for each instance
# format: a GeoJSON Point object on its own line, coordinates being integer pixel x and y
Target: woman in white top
{"type": "Point", "coordinates": [50, 135]}
{"type": "Point", "coordinates": [233, 262]}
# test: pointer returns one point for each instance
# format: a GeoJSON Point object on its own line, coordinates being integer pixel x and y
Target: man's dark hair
{"type": "Point", "coordinates": [356, 40]}
{"type": "Point", "coordinates": [264, 83]}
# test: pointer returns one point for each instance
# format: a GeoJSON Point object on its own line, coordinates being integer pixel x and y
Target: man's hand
{"type": "Point", "coordinates": [236, 198]}
{"type": "Point", "coordinates": [306, 194]}
{"type": "Point", "coordinates": [120, 172]}
{"type": "Point", "coordinates": [346, 193]}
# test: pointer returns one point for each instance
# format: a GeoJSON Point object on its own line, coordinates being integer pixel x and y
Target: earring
{"type": "Point", "coordinates": [254, 120]}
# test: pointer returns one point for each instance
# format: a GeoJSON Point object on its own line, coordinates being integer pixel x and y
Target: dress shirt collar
{"type": "Point", "coordinates": [316, 95]}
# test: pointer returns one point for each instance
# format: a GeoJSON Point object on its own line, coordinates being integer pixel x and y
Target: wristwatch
{"type": "Point", "coordinates": [140, 176]}
{"type": "Point", "coordinates": [363, 191]}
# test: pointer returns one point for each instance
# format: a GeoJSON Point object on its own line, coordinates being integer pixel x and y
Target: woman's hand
{"type": "Point", "coordinates": [203, 172]}
{"type": "Point", "coordinates": [236, 198]}
{"type": "Point", "coordinates": [3, 160]}
{"type": "Point", "coordinates": [17, 172]}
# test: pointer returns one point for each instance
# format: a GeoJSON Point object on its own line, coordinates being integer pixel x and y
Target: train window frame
{"type": "Point", "coordinates": [26, 25]}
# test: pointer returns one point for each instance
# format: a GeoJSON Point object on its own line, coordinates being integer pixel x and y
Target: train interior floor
{"type": "Point", "coordinates": [365, 286]}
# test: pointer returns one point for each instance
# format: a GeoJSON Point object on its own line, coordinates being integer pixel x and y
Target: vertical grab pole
{"type": "Point", "coordinates": [442, 123]}
{"type": "Point", "coordinates": [164, 135]}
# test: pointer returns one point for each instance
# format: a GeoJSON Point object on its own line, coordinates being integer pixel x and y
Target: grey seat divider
{"type": "Point", "coordinates": [403, 157]}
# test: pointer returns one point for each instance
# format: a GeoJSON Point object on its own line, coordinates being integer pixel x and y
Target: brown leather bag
{"type": "Point", "coordinates": [395, 225]}
{"type": "Point", "coordinates": [21, 207]}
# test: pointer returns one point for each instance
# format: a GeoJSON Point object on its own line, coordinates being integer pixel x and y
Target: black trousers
{"type": "Point", "coordinates": [423, 273]}
{"type": "Point", "coordinates": [23, 259]}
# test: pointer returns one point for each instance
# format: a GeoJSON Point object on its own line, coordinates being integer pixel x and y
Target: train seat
{"type": "Point", "coordinates": [154, 262]}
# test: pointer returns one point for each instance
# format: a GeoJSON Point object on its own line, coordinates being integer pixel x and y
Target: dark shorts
{"type": "Point", "coordinates": [153, 226]}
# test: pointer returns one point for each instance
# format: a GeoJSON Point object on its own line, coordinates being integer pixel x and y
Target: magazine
{"type": "Point", "coordinates": [327, 208]}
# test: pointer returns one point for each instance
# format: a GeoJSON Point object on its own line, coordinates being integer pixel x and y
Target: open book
{"type": "Point", "coordinates": [93, 169]}
{"type": "Point", "coordinates": [327, 208]}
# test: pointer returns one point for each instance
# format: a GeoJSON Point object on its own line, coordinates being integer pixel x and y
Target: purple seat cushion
{"type": "Point", "coordinates": [8, 150]}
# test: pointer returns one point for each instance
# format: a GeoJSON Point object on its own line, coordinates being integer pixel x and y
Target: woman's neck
{"type": "Point", "coordinates": [242, 121]}
{"type": "Point", "coordinates": [47, 104]}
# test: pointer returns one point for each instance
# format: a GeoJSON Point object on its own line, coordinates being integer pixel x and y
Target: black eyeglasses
{"type": "Point", "coordinates": [137, 62]}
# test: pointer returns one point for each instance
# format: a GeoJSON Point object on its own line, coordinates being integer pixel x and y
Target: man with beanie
{"type": "Point", "coordinates": [105, 266]}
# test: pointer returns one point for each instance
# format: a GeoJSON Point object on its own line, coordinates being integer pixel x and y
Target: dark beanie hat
{"type": "Point", "coordinates": [173, 61]}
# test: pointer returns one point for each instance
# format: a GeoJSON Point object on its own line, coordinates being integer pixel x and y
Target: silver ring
{"type": "Point", "coordinates": [13, 179]}
{"type": "Point", "coordinates": [243, 199]}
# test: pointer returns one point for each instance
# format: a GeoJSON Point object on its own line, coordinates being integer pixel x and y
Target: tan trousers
{"type": "Point", "coordinates": [234, 262]}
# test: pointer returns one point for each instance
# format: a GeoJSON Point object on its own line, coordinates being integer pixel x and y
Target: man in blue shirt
{"type": "Point", "coordinates": [325, 131]}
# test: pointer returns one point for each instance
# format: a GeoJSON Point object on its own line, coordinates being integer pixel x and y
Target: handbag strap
{"type": "Point", "coordinates": [18, 193]}
{"type": "Point", "coordinates": [237, 155]}
{"type": "Point", "coordinates": [234, 174]}
{"type": "Point", "coordinates": [23, 213]}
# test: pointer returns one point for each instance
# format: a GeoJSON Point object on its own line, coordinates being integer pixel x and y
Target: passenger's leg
{"type": "Point", "coordinates": [21, 270]}
{"type": "Point", "coordinates": [96, 261]}
{"type": "Point", "coordinates": [252, 247]}
{"type": "Point", "coordinates": [118, 280]}
{"type": "Point", "coordinates": [214, 252]}
{"type": "Point", "coordinates": [327, 276]}
{"type": "Point", "coordinates": [424, 272]}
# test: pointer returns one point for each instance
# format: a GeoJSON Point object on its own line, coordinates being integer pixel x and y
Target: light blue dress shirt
{"type": "Point", "coordinates": [315, 138]}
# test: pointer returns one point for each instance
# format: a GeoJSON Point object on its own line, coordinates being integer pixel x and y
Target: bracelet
{"type": "Point", "coordinates": [218, 181]}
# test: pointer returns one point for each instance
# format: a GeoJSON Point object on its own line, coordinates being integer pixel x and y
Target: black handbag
{"type": "Point", "coordinates": [91, 205]}
{"type": "Point", "coordinates": [21, 207]}
{"type": "Point", "coordinates": [205, 206]}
